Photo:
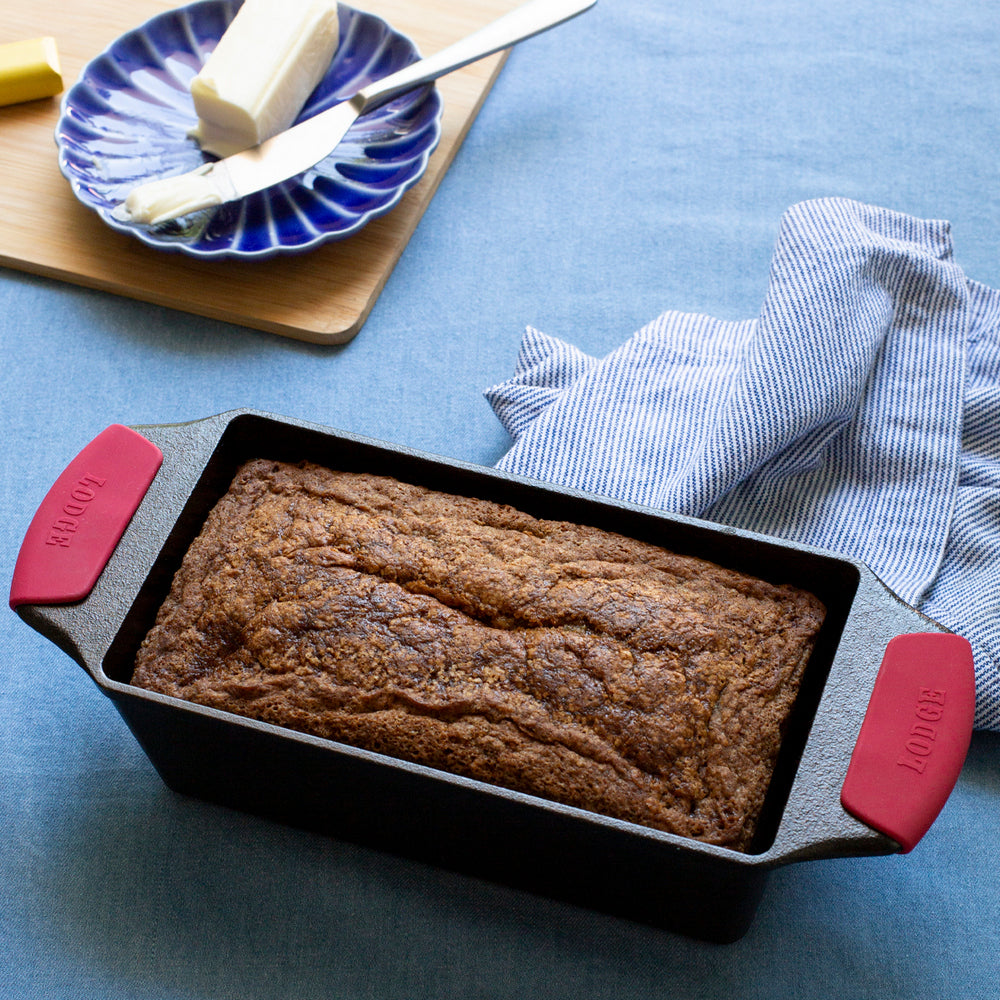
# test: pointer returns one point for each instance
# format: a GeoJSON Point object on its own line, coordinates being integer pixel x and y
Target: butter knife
{"type": "Point", "coordinates": [304, 145]}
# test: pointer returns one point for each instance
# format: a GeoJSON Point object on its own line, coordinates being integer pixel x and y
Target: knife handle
{"type": "Point", "coordinates": [522, 22]}
{"type": "Point", "coordinates": [914, 737]}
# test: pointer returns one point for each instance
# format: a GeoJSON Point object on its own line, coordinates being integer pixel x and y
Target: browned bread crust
{"type": "Point", "coordinates": [543, 656]}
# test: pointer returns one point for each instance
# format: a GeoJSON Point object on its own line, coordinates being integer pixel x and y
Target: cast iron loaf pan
{"type": "Point", "coordinates": [876, 740]}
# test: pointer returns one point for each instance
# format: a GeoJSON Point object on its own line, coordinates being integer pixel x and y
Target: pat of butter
{"type": "Point", "coordinates": [168, 198]}
{"type": "Point", "coordinates": [267, 63]}
{"type": "Point", "coordinates": [29, 70]}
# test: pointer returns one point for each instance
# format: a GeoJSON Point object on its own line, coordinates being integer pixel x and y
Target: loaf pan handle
{"type": "Point", "coordinates": [83, 516]}
{"type": "Point", "coordinates": [914, 737]}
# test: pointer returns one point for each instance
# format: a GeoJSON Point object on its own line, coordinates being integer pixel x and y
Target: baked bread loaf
{"type": "Point", "coordinates": [543, 656]}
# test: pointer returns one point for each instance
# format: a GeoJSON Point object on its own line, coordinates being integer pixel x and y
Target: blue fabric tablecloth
{"type": "Point", "coordinates": [637, 161]}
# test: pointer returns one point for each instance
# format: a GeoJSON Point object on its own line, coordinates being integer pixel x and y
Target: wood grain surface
{"type": "Point", "coordinates": [322, 296]}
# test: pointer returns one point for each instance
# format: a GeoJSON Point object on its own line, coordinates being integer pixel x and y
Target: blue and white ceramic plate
{"type": "Point", "coordinates": [127, 120]}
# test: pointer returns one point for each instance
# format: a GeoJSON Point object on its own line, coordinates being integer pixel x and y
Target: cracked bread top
{"type": "Point", "coordinates": [544, 656]}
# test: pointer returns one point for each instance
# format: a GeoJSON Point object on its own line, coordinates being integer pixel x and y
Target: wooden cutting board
{"type": "Point", "coordinates": [322, 296]}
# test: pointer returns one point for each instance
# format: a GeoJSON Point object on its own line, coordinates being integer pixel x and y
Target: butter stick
{"type": "Point", "coordinates": [29, 70]}
{"type": "Point", "coordinates": [267, 63]}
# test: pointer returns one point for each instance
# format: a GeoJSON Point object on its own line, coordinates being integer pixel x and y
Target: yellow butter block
{"type": "Point", "coordinates": [29, 70]}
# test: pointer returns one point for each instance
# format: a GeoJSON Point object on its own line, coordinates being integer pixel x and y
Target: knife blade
{"type": "Point", "coordinates": [297, 149]}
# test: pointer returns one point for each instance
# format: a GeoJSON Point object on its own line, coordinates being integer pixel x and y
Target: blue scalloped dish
{"type": "Point", "coordinates": [127, 120]}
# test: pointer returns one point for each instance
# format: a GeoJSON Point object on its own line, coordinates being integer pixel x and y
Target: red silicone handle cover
{"type": "Point", "coordinates": [78, 524]}
{"type": "Point", "coordinates": [914, 737]}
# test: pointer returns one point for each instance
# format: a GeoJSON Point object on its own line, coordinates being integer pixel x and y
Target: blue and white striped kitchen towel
{"type": "Point", "coordinates": [859, 412]}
